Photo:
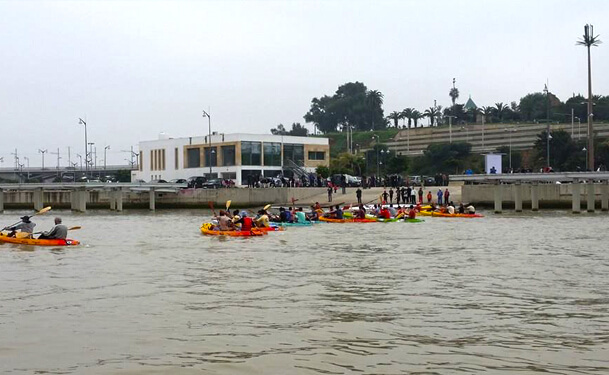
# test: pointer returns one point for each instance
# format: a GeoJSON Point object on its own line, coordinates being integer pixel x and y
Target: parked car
{"type": "Point", "coordinates": [214, 183]}
{"type": "Point", "coordinates": [178, 181]}
{"type": "Point", "coordinates": [158, 181]}
{"type": "Point", "coordinates": [429, 181]}
{"type": "Point", "coordinates": [196, 181]}
{"type": "Point", "coordinates": [351, 181]}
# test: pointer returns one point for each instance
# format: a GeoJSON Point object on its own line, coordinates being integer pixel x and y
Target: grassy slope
{"type": "Point", "coordinates": [338, 141]}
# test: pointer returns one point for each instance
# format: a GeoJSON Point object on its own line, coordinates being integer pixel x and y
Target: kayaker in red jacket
{"type": "Point", "coordinates": [246, 222]}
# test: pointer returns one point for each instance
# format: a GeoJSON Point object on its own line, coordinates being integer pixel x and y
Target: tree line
{"type": "Point", "coordinates": [566, 154]}
{"type": "Point", "coordinates": [354, 106]}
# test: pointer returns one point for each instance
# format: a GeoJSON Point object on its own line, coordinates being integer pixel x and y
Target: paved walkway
{"type": "Point", "coordinates": [372, 195]}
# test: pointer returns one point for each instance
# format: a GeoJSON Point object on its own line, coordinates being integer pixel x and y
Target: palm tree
{"type": "Point", "coordinates": [500, 110]}
{"type": "Point", "coordinates": [395, 116]}
{"type": "Point", "coordinates": [432, 113]}
{"type": "Point", "coordinates": [488, 113]}
{"type": "Point", "coordinates": [454, 95]}
{"type": "Point", "coordinates": [416, 116]}
{"type": "Point", "coordinates": [407, 113]}
{"type": "Point", "coordinates": [374, 99]}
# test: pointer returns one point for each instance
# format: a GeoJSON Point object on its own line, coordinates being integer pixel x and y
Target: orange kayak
{"type": "Point", "coordinates": [271, 229]}
{"type": "Point", "coordinates": [207, 229]}
{"type": "Point", "coordinates": [37, 242]}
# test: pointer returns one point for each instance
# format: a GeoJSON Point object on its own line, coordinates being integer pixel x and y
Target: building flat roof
{"type": "Point", "coordinates": [235, 137]}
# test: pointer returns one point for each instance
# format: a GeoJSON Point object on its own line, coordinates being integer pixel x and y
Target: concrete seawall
{"type": "Point", "coordinates": [186, 198]}
{"type": "Point", "coordinates": [549, 195]}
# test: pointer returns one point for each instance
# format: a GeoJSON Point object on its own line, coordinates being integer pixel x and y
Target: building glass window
{"type": "Point", "coordinates": [317, 155]}
{"type": "Point", "coordinates": [249, 176]}
{"type": "Point", "coordinates": [251, 153]}
{"type": "Point", "coordinates": [272, 154]}
{"type": "Point", "coordinates": [292, 152]}
{"type": "Point", "coordinates": [228, 156]}
{"type": "Point", "coordinates": [193, 157]}
{"type": "Point", "coordinates": [213, 158]}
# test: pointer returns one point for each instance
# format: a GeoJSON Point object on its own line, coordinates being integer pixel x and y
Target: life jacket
{"type": "Point", "coordinates": [246, 223]}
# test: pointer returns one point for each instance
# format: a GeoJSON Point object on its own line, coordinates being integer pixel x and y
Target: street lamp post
{"type": "Point", "coordinates": [590, 40]}
{"type": "Point", "coordinates": [510, 131]}
{"type": "Point", "coordinates": [89, 155]}
{"type": "Point", "coordinates": [376, 137]}
{"type": "Point", "coordinates": [548, 137]}
{"type": "Point", "coordinates": [450, 128]}
{"type": "Point", "coordinates": [83, 122]}
{"type": "Point", "coordinates": [28, 166]}
{"type": "Point", "coordinates": [206, 114]}
{"type": "Point", "coordinates": [105, 149]}
{"type": "Point", "coordinates": [42, 152]}
{"type": "Point", "coordinates": [586, 151]}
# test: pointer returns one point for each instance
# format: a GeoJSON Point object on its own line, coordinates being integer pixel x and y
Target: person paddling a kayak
{"type": "Point", "coordinates": [224, 222]}
{"type": "Point", "coordinates": [263, 219]}
{"type": "Point", "coordinates": [246, 222]}
{"type": "Point", "coordinates": [300, 216]}
{"type": "Point", "coordinates": [59, 231]}
{"type": "Point", "coordinates": [25, 226]}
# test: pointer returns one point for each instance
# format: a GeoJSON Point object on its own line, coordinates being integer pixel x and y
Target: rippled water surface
{"type": "Point", "coordinates": [148, 294]}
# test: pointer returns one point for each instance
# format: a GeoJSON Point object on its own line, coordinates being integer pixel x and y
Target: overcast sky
{"type": "Point", "coordinates": [134, 69]}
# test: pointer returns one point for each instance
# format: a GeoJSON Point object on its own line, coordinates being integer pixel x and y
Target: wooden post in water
{"type": "Point", "coordinates": [605, 196]}
{"type": "Point", "coordinates": [518, 197]}
{"type": "Point", "coordinates": [1, 200]}
{"type": "Point", "coordinates": [535, 196]}
{"type": "Point", "coordinates": [498, 198]}
{"type": "Point", "coordinates": [590, 195]}
{"type": "Point", "coordinates": [576, 197]}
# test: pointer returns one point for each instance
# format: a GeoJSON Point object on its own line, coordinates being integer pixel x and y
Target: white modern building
{"type": "Point", "coordinates": [230, 156]}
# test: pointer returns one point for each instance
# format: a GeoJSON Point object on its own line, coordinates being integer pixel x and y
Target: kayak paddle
{"type": "Point", "coordinates": [228, 202]}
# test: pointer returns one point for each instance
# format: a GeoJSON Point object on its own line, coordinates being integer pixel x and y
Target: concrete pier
{"type": "Point", "coordinates": [590, 196]}
{"type": "Point", "coordinates": [605, 196]}
{"type": "Point", "coordinates": [78, 200]}
{"type": "Point", "coordinates": [575, 191]}
{"type": "Point", "coordinates": [118, 200]}
{"type": "Point", "coordinates": [518, 197]}
{"type": "Point", "coordinates": [498, 198]}
{"type": "Point", "coordinates": [535, 197]}
{"type": "Point", "coordinates": [152, 199]}
{"type": "Point", "coordinates": [37, 198]}
{"type": "Point", "coordinates": [112, 199]}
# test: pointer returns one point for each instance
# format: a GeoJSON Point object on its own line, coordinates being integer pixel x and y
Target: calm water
{"type": "Point", "coordinates": [149, 294]}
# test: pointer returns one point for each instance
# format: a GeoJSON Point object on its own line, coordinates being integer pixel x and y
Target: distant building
{"type": "Point", "coordinates": [470, 105]}
{"type": "Point", "coordinates": [230, 156]}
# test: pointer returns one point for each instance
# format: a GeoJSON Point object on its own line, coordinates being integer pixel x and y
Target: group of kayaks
{"type": "Point", "coordinates": [210, 229]}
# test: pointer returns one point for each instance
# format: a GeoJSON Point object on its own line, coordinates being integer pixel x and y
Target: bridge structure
{"type": "Point", "coordinates": [79, 194]}
{"type": "Point", "coordinates": [24, 174]}
{"type": "Point", "coordinates": [536, 187]}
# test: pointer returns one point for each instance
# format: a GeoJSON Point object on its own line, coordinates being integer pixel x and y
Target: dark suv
{"type": "Point", "coordinates": [196, 182]}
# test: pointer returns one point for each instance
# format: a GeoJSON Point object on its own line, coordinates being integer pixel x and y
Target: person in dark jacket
{"type": "Point", "coordinates": [59, 231]}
